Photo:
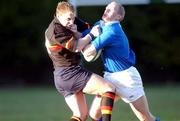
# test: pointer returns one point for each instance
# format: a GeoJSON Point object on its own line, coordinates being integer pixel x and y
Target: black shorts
{"type": "Point", "coordinates": [69, 80]}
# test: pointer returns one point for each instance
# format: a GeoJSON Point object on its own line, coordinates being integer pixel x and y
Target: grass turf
{"type": "Point", "coordinates": [46, 104]}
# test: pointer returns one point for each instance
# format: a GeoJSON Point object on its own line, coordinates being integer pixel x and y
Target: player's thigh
{"type": "Point", "coordinates": [77, 104]}
{"type": "Point", "coordinates": [97, 85]}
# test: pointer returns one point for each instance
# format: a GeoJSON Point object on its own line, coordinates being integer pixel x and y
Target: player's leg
{"type": "Point", "coordinates": [95, 109]}
{"type": "Point", "coordinates": [141, 109]}
{"type": "Point", "coordinates": [139, 103]}
{"type": "Point", "coordinates": [77, 103]}
{"type": "Point", "coordinates": [97, 85]}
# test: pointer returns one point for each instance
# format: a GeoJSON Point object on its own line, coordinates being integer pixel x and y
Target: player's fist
{"type": "Point", "coordinates": [96, 30]}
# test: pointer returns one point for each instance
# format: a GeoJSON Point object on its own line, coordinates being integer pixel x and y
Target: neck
{"type": "Point", "coordinates": [110, 22]}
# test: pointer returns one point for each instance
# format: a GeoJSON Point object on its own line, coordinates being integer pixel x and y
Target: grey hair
{"type": "Point", "coordinates": [120, 10]}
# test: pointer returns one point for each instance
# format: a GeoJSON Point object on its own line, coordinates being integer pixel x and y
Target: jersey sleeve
{"type": "Point", "coordinates": [82, 25]}
{"type": "Point", "coordinates": [103, 40]}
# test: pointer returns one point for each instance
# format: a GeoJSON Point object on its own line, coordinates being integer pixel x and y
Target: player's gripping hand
{"type": "Point", "coordinates": [96, 30]}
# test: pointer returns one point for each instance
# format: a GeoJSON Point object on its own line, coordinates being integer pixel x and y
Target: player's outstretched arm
{"type": "Point", "coordinates": [82, 42]}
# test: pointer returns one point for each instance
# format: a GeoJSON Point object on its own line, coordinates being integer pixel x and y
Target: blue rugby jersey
{"type": "Point", "coordinates": [116, 54]}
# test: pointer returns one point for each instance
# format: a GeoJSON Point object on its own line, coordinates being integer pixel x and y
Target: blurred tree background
{"type": "Point", "coordinates": [153, 31]}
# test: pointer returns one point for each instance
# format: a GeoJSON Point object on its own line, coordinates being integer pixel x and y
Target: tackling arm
{"type": "Point", "coordinates": [82, 42]}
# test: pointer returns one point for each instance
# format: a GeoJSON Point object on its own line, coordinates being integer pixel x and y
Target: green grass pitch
{"type": "Point", "coordinates": [46, 104]}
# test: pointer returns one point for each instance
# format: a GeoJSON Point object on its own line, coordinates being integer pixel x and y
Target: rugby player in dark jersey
{"type": "Point", "coordinates": [70, 78]}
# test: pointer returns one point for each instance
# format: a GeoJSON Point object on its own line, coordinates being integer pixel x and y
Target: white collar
{"type": "Point", "coordinates": [111, 22]}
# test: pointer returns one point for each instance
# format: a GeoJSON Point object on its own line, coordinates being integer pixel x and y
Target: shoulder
{"type": "Point", "coordinates": [49, 30]}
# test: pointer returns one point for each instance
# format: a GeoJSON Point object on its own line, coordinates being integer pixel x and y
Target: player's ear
{"type": "Point", "coordinates": [117, 17]}
{"type": "Point", "coordinates": [120, 17]}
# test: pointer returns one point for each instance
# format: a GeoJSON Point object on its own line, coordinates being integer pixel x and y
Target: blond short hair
{"type": "Point", "coordinates": [64, 7]}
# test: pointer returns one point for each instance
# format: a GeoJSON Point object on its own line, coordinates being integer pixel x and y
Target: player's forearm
{"type": "Point", "coordinates": [82, 42]}
{"type": "Point", "coordinates": [89, 50]}
{"type": "Point", "coordinates": [78, 35]}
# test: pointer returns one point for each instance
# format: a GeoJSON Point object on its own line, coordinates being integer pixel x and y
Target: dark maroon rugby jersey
{"type": "Point", "coordinates": [61, 43]}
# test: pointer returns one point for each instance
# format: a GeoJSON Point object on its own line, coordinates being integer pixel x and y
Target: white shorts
{"type": "Point", "coordinates": [128, 84]}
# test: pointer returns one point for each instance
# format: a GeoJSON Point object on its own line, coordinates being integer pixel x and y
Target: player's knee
{"type": "Point", "coordinates": [108, 88]}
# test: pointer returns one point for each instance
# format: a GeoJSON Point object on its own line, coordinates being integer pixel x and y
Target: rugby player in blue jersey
{"type": "Point", "coordinates": [119, 60]}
